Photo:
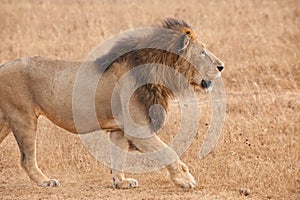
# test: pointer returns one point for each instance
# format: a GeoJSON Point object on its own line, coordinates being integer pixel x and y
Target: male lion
{"type": "Point", "coordinates": [37, 86]}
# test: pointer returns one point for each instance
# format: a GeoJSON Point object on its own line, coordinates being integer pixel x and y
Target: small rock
{"type": "Point", "coordinates": [245, 191]}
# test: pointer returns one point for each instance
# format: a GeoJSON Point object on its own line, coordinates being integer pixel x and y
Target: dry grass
{"type": "Point", "coordinates": [259, 41]}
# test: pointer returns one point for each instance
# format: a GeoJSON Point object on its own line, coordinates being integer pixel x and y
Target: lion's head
{"type": "Point", "coordinates": [173, 44]}
{"type": "Point", "coordinates": [207, 67]}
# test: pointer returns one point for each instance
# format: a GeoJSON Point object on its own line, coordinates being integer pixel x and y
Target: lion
{"type": "Point", "coordinates": [35, 86]}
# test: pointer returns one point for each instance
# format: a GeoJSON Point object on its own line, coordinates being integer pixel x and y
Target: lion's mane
{"type": "Point", "coordinates": [161, 45]}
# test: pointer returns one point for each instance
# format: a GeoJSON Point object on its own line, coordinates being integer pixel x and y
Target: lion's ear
{"type": "Point", "coordinates": [184, 43]}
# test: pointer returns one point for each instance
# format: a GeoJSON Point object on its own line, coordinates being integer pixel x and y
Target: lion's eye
{"type": "Point", "coordinates": [203, 53]}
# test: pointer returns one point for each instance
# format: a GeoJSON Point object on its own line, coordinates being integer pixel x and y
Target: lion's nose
{"type": "Point", "coordinates": [220, 68]}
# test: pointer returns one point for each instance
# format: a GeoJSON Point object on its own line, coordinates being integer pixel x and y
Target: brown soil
{"type": "Point", "coordinates": [259, 41]}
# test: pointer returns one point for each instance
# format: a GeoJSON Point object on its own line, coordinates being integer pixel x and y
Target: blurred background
{"type": "Point", "coordinates": [259, 42]}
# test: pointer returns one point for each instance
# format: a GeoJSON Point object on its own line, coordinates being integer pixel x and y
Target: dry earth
{"type": "Point", "coordinates": [259, 41]}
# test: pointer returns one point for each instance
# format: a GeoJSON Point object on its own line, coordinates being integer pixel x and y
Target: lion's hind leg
{"type": "Point", "coordinates": [118, 153]}
{"type": "Point", "coordinates": [24, 128]}
{"type": "Point", "coordinates": [4, 127]}
{"type": "Point", "coordinates": [4, 131]}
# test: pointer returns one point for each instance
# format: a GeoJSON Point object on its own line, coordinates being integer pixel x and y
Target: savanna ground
{"type": "Point", "coordinates": [259, 42]}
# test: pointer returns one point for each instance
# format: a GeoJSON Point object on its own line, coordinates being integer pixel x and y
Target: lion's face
{"type": "Point", "coordinates": [208, 66]}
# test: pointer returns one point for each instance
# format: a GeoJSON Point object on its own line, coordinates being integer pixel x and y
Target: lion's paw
{"type": "Point", "coordinates": [186, 181]}
{"type": "Point", "coordinates": [183, 178]}
{"type": "Point", "coordinates": [126, 183]}
{"type": "Point", "coordinates": [49, 183]}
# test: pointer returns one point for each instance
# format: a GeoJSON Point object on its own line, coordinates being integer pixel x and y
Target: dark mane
{"type": "Point", "coordinates": [156, 47]}
{"type": "Point", "coordinates": [175, 24]}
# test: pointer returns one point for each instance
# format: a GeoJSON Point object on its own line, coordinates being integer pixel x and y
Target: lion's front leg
{"type": "Point", "coordinates": [157, 150]}
{"type": "Point", "coordinates": [118, 152]}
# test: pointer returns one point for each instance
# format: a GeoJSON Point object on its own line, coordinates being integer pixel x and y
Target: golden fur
{"type": "Point", "coordinates": [37, 86]}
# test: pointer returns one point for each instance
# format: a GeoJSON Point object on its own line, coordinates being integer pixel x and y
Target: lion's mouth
{"type": "Point", "coordinates": [206, 84]}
